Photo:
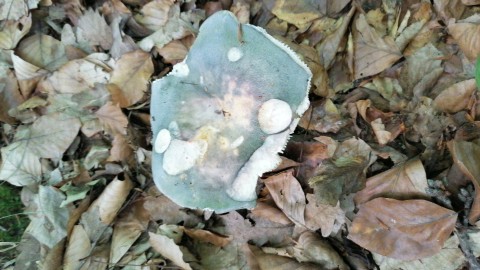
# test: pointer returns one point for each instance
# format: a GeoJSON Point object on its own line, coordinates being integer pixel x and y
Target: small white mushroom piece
{"type": "Point", "coordinates": [274, 116]}
{"type": "Point", "coordinates": [182, 155]}
{"type": "Point", "coordinates": [162, 141]}
{"type": "Point", "coordinates": [234, 54]}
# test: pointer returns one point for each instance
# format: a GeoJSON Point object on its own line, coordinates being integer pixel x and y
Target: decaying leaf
{"type": "Point", "coordinates": [466, 156]}
{"type": "Point", "coordinates": [113, 119]}
{"type": "Point", "coordinates": [78, 249]}
{"type": "Point", "coordinates": [42, 51]}
{"type": "Point", "coordinates": [456, 97]}
{"type": "Point", "coordinates": [405, 230]}
{"type": "Point", "coordinates": [405, 181]}
{"type": "Point", "coordinates": [93, 29]}
{"type": "Point", "coordinates": [168, 249]}
{"type": "Point", "coordinates": [467, 34]}
{"type": "Point", "coordinates": [269, 261]}
{"type": "Point", "coordinates": [373, 54]}
{"type": "Point", "coordinates": [130, 77]}
{"type": "Point", "coordinates": [329, 219]}
{"type": "Point", "coordinates": [288, 195]}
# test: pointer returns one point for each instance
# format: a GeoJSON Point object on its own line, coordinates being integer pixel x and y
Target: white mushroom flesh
{"type": "Point", "coordinates": [162, 141]}
{"type": "Point", "coordinates": [274, 116]}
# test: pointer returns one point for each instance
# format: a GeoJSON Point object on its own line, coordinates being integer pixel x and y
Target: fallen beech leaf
{"type": "Point", "coordinates": [467, 35]}
{"type": "Point", "coordinates": [373, 54]}
{"type": "Point", "coordinates": [131, 75]}
{"type": "Point", "coordinates": [27, 74]}
{"type": "Point", "coordinates": [298, 13]}
{"type": "Point", "coordinates": [93, 28]}
{"type": "Point", "coordinates": [421, 71]}
{"type": "Point", "coordinates": [383, 136]}
{"type": "Point", "coordinates": [209, 237]}
{"type": "Point", "coordinates": [112, 119]}
{"type": "Point", "coordinates": [456, 97]}
{"type": "Point", "coordinates": [329, 219]}
{"type": "Point", "coordinates": [162, 208]}
{"type": "Point", "coordinates": [13, 31]}
{"type": "Point", "coordinates": [270, 261]}
{"type": "Point", "coordinates": [450, 257]}
{"type": "Point", "coordinates": [168, 249]}
{"type": "Point", "coordinates": [78, 249]}
{"type": "Point", "coordinates": [10, 96]}
{"type": "Point", "coordinates": [288, 195]}
{"type": "Point", "coordinates": [121, 149]}
{"type": "Point", "coordinates": [19, 166]}
{"type": "Point", "coordinates": [112, 199]}
{"type": "Point", "coordinates": [176, 50]}
{"type": "Point", "coordinates": [405, 181]}
{"type": "Point", "coordinates": [466, 156]}
{"type": "Point", "coordinates": [310, 247]}
{"type": "Point", "coordinates": [130, 225]}
{"type": "Point", "coordinates": [42, 51]}
{"type": "Point", "coordinates": [13, 10]}
{"type": "Point", "coordinates": [405, 230]}
{"type": "Point", "coordinates": [266, 211]}
{"type": "Point", "coordinates": [77, 76]}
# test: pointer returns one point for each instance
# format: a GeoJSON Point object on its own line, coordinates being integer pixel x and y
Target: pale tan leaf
{"type": "Point", "coordinates": [269, 261]}
{"type": "Point", "coordinates": [27, 74]}
{"type": "Point", "coordinates": [329, 219]}
{"type": "Point", "coordinates": [298, 13]}
{"type": "Point", "coordinates": [13, 9]}
{"type": "Point", "coordinates": [466, 156]}
{"type": "Point", "coordinates": [93, 28]}
{"type": "Point", "coordinates": [131, 75]}
{"type": "Point", "coordinates": [52, 134]}
{"type": "Point", "coordinates": [13, 31]}
{"type": "Point", "coordinates": [471, 2]}
{"type": "Point", "coordinates": [405, 181]}
{"type": "Point", "coordinates": [77, 76]}
{"type": "Point", "coordinates": [467, 35]}
{"type": "Point", "coordinates": [373, 54]}
{"type": "Point", "coordinates": [112, 119]}
{"type": "Point", "coordinates": [121, 149]}
{"type": "Point", "coordinates": [10, 96]}
{"type": "Point", "coordinates": [168, 249]}
{"type": "Point", "coordinates": [449, 258]}
{"type": "Point", "coordinates": [310, 247]}
{"type": "Point", "coordinates": [122, 43]}
{"type": "Point", "coordinates": [78, 249]}
{"type": "Point", "coordinates": [176, 50]}
{"type": "Point", "coordinates": [288, 195]}
{"type": "Point", "coordinates": [155, 14]}
{"type": "Point", "coordinates": [127, 229]}
{"type": "Point", "coordinates": [383, 136]}
{"type": "Point", "coordinates": [271, 213]}
{"type": "Point", "coordinates": [19, 166]}
{"type": "Point", "coordinates": [456, 97]}
{"type": "Point", "coordinates": [42, 51]}
{"type": "Point", "coordinates": [209, 237]}
{"type": "Point", "coordinates": [112, 199]}
{"type": "Point", "coordinates": [405, 230]}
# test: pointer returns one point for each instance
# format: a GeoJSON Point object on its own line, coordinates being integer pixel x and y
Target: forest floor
{"type": "Point", "coordinates": [382, 172]}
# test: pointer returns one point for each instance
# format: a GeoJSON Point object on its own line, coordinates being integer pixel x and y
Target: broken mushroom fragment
{"type": "Point", "coordinates": [220, 119]}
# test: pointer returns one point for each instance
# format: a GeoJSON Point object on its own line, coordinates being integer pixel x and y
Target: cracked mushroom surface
{"type": "Point", "coordinates": [221, 117]}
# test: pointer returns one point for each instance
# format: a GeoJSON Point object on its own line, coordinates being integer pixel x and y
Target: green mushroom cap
{"type": "Point", "coordinates": [221, 117]}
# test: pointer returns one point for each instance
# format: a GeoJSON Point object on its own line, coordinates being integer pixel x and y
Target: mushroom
{"type": "Point", "coordinates": [220, 119]}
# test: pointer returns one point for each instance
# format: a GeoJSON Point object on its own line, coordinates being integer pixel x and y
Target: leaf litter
{"type": "Point", "coordinates": [381, 172]}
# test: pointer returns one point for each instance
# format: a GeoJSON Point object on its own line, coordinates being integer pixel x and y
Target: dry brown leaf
{"type": "Point", "coordinates": [467, 34]}
{"type": "Point", "coordinates": [42, 51]}
{"type": "Point", "coordinates": [14, 10]}
{"type": "Point", "coordinates": [266, 211]}
{"type": "Point", "coordinates": [93, 28]}
{"type": "Point", "coordinates": [168, 249]}
{"type": "Point", "coordinates": [466, 156]}
{"type": "Point", "coordinates": [373, 54]}
{"type": "Point", "coordinates": [122, 43]}
{"type": "Point", "coordinates": [131, 224]}
{"type": "Point", "coordinates": [471, 2]}
{"type": "Point", "coordinates": [329, 219]}
{"type": "Point", "coordinates": [78, 249]}
{"type": "Point", "coordinates": [131, 75]}
{"type": "Point", "coordinates": [209, 237]}
{"type": "Point", "coordinates": [112, 119]}
{"type": "Point", "coordinates": [176, 50]}
{"type": "Point", "coordinates": [288, 195]}
{"type": "Point", "coordinates": [299, 13]}
{"type": "Point", "coordinates": [27, 74]}
{"type": "Point", "coordinates": [155, 14]}
{"type": "Point", "coordinates": [405, 230]}
{"type": "Point", "coordinates": [323, 116]}
{"type": "Point", "coordinates": [76, 76]}
{"type": "Point", "coordinates": [270, 261]}
{"type": "Point", "coordinates": [13, 31]}
{"type": "Point", "coordinates": [121, 149]}
{"type": "Point", "coordinates": [405, 181]}
{"type": "Point", "coordinates": [383, 136]}
{"type": "Point", "coordinates": [112, 199]}
{"type": "Point", "coordinates": [162, 208]}
{"type": "Point", "coordinates": [10, 96]}
{"type": "Point", "coordinates": [310, 247]}
{"type": "Point", "coordinates": [456, 97]}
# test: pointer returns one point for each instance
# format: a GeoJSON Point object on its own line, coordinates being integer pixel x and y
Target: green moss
{"type": "Point", "coordinates": [13, 223]}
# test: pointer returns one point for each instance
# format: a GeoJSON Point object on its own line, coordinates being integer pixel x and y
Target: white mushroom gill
{"type": "Point", "coordinates": [162, 141]}
{"type": "Point", "coordinates": [182, 155]}
{"type": "Point", "coordinates": [274, 116]}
